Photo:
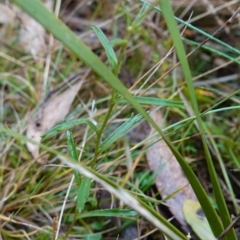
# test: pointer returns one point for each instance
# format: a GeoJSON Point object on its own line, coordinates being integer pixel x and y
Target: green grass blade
{"type": "Point", "coordinates": [154, 101]}
{"type": "Point", "coordinates": [68, 125]}
{"type": "Point", "coordinates": [109, 213]}
{"type": "Point", "coordinates": [216, 225]}
{"type": "Point", "coordinates": [212, 50]}
{"type": "Point", "coordinates": [74, 154]}
{"type": "Point", "coordinates": [71, 146]}
{"type": "Point", "coordinates": [234, 158]}
{"type": "Point", "coordinates": [83, 193]}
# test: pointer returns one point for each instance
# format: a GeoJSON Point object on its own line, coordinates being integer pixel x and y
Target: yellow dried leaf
{"type": "Point", "coordinates": [196, 219]}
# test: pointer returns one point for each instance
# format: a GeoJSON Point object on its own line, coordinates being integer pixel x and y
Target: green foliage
{"type": "Point", "coordinates": [30, 190]}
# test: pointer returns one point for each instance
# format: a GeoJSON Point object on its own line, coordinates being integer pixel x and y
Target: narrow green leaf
{"type": "Point", "coordinates": [71, 146]}
{"type": "Point", "coordinates": [83, 193]}
{"type": "Point", "coordinates": [141, 15]}
{"type": "Point", "coordinates": [74, 154]}
{"type": "Point", "coordinates": [121, 131]}
{"type": "Point", "coordinates": [154, 101]}
{"type": "Point", "coordinates": [235, 159]}
{"type": "Point", "coordinates": [109, 213]}
{"type": "Point", "coordinates": [68, 125]}
{"type": "Point", "coordinates": [213, 50]}
{"type": "Point", "coordinates": [112, 58]}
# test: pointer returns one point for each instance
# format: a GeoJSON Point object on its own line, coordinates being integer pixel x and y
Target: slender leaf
{"type": "Point", "coordinates": [154, 101]}
{"type": "Point", "coordinates": [213, 50]}
{"type": "Point", "coordinates": [74, 154]}
{"type": "Point", "coordinates": [83, 193]}
{"type": "Point", "coordinates": [142, 13]}
{"type": "Point", "coordinates": [68, 125]}
{"type": "Point", "coordinates": [109, 213]}
{"type": "Point", "coordinates": [112, 58]}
